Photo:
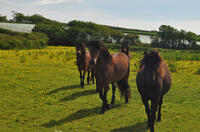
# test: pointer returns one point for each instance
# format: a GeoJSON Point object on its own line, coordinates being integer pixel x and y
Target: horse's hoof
{"type": "Point", "coordinates": [103, 111]}
{"type": "Point", "coordinates": [97, 90]}
{"type": "Point", "coordinates": [107, 106]}
{"type": "Point", "coordinates": [148, 126]}
{"type": "Point", "coordinates": [158, 120]}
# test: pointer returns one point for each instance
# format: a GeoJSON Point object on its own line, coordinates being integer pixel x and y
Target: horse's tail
{"type": "Point", "coordinates": [124, 88]}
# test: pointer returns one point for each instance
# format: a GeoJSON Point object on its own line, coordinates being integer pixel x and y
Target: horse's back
{"type": "Point", "coordinates": [120, 57]}
{"type": "Point", "coordinates": [167, 80]}
{"type": "Point", "coordinates": [121, 65]}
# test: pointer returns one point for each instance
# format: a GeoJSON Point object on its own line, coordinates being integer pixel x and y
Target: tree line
{"type": "Point", "coordinates": [171, 38]}
{"type": "Point", "coordinates": [67, 34]}
{"type": "Point", "coordinates": [73, 31]}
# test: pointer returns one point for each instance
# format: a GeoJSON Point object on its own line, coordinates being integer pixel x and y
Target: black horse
{"type": "Point", "coordinates": [153, 81]}
{"type": "Point", "coordinates": [125, 48]}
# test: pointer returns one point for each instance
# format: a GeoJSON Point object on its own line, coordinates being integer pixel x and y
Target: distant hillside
{"type": "Point", "coordinates": [135, 31]}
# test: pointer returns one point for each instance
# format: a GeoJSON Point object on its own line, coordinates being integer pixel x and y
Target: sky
{"type": "Point", "coordinates": [134, 14]}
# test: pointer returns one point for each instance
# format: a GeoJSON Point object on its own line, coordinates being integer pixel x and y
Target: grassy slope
{"type": "Point", "coordinates": [135, 31]}
{"type": "Point", "coordinates": [43, 94]}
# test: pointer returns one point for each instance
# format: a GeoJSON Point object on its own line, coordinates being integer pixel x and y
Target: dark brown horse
{"type": "Point", "coordinates": [109, 69]}
{"type": "Point", "coordinates": [153, 81]}
{"type": "Point", "coordinates": [83, 60]}
{"type": "Point", "coordinates": [125, 48]}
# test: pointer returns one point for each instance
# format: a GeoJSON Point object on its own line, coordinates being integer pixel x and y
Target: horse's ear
{"type": "Point", "coordinates": [83, 45]}
{"type": "Point", "coordinates": [83, 49]}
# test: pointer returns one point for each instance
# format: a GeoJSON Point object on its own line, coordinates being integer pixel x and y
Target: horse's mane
{"type": "Point", "coordinates": [81, 45]}
{"type": "Point", "coordinates": [152, 61]}
{"type": "Point", "coordinates": [97, 44]}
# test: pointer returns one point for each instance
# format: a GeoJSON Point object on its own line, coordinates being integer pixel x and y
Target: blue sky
{"type": "Point", "coordinates": [136, 14]}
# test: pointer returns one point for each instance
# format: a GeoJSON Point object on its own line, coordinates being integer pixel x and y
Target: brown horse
{"type": "Point", "coordinates": [153, 81]}
{"type": "Point", "coordinates": [109, 69]}
{"type": "Point", "coordinates": [125, 48]}
{"type": "Point", "coordinates": [83, 59]}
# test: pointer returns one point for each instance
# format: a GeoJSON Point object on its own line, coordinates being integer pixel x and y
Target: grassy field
{"type": "Point", "coordinates": [39, 91]}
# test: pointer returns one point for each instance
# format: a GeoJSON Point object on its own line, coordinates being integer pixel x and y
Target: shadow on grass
{"type": "Point", "coordinates": [64, 88]}
{"type": "Point", "coordinates": [75, 116]}
{"type": "Point", "coordinates": [78, 94]}
{"type": "Point", "coordinates": [139, 127]}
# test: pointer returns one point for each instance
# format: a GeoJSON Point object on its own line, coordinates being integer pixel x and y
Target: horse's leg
{"type": "Point", "coordinates": [127, 90]}
{"type": "Point", "coordinates": [113, 93]}
{"type": "Point", "coordinates": [97, 86]}
{"type": "Point", "coordinates": [83, 78]}
{"type": "Point", "coordinates": [154, 103]}
{"type": "Point", "coordinates": [147, 109]}
{"type": "Point", "coordinates": [80, 71]}
{"type": "Point", "coordinates": [105, 96]}
{"type": "Point", "coordinates": [159, 112]}
{"type": "Point", "coordinates": [102, 98]}
{"type": "Point", "coordinates": [88, 77]}
{"type": "Point", "coordinates": [92, 75]}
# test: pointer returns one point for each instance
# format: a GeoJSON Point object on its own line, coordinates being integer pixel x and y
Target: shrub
{"type": "Point", "coordinates": [14, 40]}
{"type": "Point", "coordinates": [172, 65]}
{"type": "Point", "coordinates": [22, 59]}
{"type": "Point", "coordinates": [198, 71]}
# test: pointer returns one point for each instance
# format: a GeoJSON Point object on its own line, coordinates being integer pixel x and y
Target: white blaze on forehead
{"type": "Point", "coordinates": [95, 60]}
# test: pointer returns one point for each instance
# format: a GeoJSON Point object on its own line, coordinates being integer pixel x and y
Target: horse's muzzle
{"type": "Point", "coordinates": [78, 55]}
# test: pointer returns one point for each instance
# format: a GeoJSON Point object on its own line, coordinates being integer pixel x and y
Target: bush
{"type": "Point", "coordinates": [23, 41]}
{"type": "Point", "coordinates": [22, 59]}
{"type": "Point", "coordinates": [198, 71]}
{"type": "Point", "coordinates": [172, 65]}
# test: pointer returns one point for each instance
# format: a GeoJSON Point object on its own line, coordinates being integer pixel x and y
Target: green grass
{"type": "Point", "coordinates": [39, 91]}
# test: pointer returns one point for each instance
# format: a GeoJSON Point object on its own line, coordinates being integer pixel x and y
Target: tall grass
{"type": "Point", "coordinates": [43, 94]}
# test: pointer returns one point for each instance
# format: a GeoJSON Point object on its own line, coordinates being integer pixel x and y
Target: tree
{"type": "Point", "coordinates": [117, 36]}
{"type": "Point", "coordinates": [191, 38]}
{"type": "Point", "coordinates": [169, 37]}
{"type": "Point", "coordinates": [19, 17]}
{"type": "Point", "coordinates": [3, 18]}
{"type": "Point", "coordinates": [131, 38]}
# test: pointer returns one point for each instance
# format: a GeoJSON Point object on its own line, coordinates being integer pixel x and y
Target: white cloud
{"type": "Point", "coordinates": [48, 2]}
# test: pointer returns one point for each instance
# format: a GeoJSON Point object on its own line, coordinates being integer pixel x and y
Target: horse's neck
{"type": "Point", "coordinates": [104, 57]}
{"type": "Point", "coordinates": [81, 60]}
{"type": "Point", "coordinates": [152, 72]}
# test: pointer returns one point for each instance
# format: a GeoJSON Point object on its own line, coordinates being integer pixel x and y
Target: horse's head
{"type": "Point", "coordinates": [151, 58]}
{"type": "Point", "coordinates": [80, 49]}
{"type": "Point", "coordinates": [125, 48]}
{"type": "Point", "coordinates": [95, 47]}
